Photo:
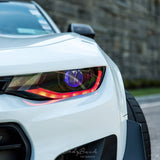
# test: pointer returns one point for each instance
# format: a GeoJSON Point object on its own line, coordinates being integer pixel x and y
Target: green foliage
{"type": "Point", "coordinates": [145, 91]}
{"type": "Point", "coordinates": [141, 83]}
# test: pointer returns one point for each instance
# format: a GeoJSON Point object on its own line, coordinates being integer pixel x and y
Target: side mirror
{"type": "Point", "coordinates": [82, 29]}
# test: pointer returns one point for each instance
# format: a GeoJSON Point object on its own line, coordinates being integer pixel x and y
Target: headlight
{"type": "Point", "coordinates": [57, 85]}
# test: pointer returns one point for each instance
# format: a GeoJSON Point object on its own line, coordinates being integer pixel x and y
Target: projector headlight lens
{"type": "Point", "coordinates": [74, 78]}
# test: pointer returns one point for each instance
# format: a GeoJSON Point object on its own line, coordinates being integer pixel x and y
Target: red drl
{"type": "Point", "coordinates": [56, 95]}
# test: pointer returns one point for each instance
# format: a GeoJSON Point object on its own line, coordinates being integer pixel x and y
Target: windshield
{"type": "Point", "coordinates": [22, 19]}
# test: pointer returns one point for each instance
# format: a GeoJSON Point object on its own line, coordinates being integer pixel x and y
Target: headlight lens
{"type": "Point", "coordinates": [57, 85]}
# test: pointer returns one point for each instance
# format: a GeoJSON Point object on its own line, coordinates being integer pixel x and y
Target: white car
{"type": "Point", "coordinates": [61, 96]}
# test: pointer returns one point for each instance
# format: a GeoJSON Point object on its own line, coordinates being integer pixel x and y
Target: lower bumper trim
{"type": "Point", "coordinates": [134, 144]}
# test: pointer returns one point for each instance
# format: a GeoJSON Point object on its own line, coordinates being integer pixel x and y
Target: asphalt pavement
{"type": "Point", "coordinates": [151, 108]}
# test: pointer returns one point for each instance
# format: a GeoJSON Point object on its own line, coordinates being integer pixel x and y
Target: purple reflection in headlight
{"type": "Point", "coordinates": [74, 78]}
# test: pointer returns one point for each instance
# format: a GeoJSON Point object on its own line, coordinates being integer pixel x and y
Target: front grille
{"type": "Point", "coordinates": [14, 145]}
{"type": "Point", "coordinates": [4, 82]}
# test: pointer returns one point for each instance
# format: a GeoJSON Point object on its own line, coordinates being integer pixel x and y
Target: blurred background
{"type": "Point", "coordinates": [129, 32]}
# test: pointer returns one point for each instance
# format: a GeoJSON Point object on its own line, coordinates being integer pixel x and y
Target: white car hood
{"type": "Point", "coordinates": [13, 41]}
{"type": "Point", "coordinates": [47, 53]}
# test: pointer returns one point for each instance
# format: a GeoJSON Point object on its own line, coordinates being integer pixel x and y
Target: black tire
{"type": "Point", "coordinates": [135, 114]}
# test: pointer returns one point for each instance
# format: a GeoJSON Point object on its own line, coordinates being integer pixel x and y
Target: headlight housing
{"type": "Point", "coordinates": [57, 85]}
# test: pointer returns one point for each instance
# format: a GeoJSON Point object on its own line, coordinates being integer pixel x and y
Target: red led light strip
{"type": "Point", "coordinates": [56, 95]}
{"type": "Point", "coordinates": [40, 104]}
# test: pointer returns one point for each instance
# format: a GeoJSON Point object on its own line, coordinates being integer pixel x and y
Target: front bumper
{"type": "Point", "coordinates": [17, 146]}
